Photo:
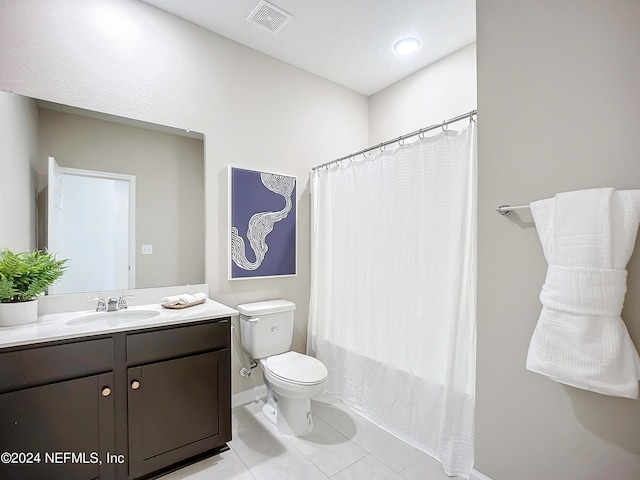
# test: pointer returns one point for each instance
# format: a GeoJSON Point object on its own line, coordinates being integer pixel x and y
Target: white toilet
{"type": "Point", "coordinates": [292, 379]}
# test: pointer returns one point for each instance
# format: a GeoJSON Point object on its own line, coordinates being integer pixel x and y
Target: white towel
{"type": "Point", "coordinates": [183, 299]}
{"type": "Point", "coordinates": [580, 339]}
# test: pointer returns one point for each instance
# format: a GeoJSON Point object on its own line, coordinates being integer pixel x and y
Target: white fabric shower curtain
{"type": "Point", "coordinates": [393, 290]}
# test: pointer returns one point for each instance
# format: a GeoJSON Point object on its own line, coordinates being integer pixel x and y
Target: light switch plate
{"type": "Point", "coordinates": [147, 249]}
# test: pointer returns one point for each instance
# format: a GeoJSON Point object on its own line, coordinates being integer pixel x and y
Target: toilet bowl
{"type": "Point", "coordinates": [292, 378]}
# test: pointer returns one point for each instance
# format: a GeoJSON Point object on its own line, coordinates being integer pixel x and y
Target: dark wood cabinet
{"type": "Point", "coordinates": [174, 410]}
{"type": "Point", "coordinates": [179, 407]}
{"type": "Point", "coordinates": [57, 401]}
{"type": "Point", "coordinates": [127, 405]}
{"type": "Point", "coordinates": [43, 426]}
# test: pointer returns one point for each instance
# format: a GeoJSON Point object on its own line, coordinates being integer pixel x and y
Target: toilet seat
{"type": "Point", "coordinates": [296, 368]}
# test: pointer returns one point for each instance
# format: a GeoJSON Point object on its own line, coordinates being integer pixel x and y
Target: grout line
{"type": "Point", "coordinates": [255, 395]}
{"type": "Point", "coordinates": [242, 461]}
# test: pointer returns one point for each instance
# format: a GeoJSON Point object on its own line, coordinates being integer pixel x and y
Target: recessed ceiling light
{"type": "Point", "coordinates": [406, 46]}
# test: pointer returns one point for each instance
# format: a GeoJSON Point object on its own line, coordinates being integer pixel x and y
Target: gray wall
{"type": "Point", "coordinates": [558, 110]}
{"type": "Point", "coordinates": [18, 155]}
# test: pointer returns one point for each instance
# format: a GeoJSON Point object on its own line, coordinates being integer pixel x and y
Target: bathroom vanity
{"type": "Point", "coordinates": [114, 400]}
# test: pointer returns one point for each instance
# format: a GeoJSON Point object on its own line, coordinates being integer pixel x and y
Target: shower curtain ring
{"type": "Point", "coordinates": [421, 134]}
{"type": "Point", "coordinates": [445, 126]}
{"type": "Point", "coordinates": [400, 141]}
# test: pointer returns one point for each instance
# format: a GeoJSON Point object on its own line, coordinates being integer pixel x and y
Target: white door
{"type": "Point", "coordinates": [91, 222]}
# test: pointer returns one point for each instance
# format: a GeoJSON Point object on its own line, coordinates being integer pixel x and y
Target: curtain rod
{"type": "Point", "coordinates": [401, 138]}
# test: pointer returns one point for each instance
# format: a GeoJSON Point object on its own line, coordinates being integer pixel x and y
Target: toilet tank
{"type": "Point", "coordinates": [266, 328]}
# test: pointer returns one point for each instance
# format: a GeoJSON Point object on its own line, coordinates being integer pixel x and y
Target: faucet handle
{"type": "Point", "coordinates": [102, 304]}
{"type": "Point", "coordinates": [122, 301]}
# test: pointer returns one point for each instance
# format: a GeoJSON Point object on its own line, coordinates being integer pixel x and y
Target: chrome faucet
{"type": "Point", "coordinates": [122, 301]}
{"type": "Point", "coordinates": [112, 305]}
{"type": "Point", "coordinates": [102, 304]}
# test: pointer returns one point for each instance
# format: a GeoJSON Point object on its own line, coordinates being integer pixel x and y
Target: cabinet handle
{"type": "Point", "coordinates": [135, 384]}
{"type": "Point", "coordinates": [106, 391]}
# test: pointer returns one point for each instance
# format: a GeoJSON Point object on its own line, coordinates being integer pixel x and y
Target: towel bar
{"type": "Point", "coordinates": [507, 209]}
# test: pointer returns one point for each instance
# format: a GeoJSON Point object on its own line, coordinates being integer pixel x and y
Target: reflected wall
{"type": "Point", "coordinates": [169, 171]}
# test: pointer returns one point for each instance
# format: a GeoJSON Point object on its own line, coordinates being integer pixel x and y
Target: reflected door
{"type": "Point", "coordinates": [90, 222]}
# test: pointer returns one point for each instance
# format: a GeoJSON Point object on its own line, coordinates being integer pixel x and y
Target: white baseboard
{"type": "Point", "coordinates": [476, 475]}
{"type": "Point", "coordinates": [248, 396]}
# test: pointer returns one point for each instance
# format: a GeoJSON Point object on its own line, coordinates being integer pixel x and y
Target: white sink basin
{"type": "Point", "coordinates": [113, 318]}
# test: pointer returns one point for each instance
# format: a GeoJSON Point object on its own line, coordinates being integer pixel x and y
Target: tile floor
{"type": "Point", "coordinates": [342, 446]}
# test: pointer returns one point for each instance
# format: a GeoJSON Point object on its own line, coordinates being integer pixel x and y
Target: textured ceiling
{"type": "Point", "coordinates": [348, 42]}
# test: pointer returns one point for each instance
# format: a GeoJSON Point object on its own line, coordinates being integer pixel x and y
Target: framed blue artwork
{"type": "Point", "coordinates": [263, 224]}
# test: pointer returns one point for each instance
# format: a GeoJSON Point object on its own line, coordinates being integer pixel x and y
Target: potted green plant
{"type": "Point", "coordinates": [24, 276]}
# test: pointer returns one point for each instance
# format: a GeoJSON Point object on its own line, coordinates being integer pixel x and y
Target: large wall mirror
{"type": "Point", "coordinates": [167, 165]}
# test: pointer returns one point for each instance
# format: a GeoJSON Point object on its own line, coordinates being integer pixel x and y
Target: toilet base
{"type": "Point", "coordinates": [292, 416]}
{"type": "Point", "coordinates": [270, 414]}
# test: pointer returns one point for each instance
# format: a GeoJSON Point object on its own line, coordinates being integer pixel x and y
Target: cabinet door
{"type": "Point", "coordinates": [177, 409]}
{"type": "Point", "coordinates": [60, 430]}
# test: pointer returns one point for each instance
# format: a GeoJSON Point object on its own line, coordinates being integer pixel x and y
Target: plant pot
{"type": "Point", "coordinates": [20, 313]}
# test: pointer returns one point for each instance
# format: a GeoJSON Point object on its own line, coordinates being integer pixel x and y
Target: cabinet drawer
{"type": "Point", "coordinates": [46, 364]}
{"type": "Point", "coordinates": [177, 341]}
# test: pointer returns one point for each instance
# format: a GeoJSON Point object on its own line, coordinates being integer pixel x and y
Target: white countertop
{"type": "Point", "coordinates": [53, 326]}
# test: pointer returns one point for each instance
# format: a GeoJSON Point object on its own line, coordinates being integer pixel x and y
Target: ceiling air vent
{"type": "Point", "coordinates": [269, 16]}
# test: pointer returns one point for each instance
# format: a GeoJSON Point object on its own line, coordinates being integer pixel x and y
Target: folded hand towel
{"type": "Point", "coordinates": [580, 339]}
{"type": "Point", "coordinates": [183, 299]}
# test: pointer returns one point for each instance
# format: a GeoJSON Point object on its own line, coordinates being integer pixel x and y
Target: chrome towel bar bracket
{"type": "Point", "coordinates": [507, 209]}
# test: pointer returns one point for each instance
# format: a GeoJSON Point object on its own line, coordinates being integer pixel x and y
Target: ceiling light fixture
{"type": "Point", "coordinates": [406, 46]}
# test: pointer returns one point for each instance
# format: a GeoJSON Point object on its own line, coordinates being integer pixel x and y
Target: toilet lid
{"type": "Point", "coordinates": [297, 368]}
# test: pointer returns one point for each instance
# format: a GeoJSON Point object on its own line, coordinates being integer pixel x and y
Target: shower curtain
{"type": "Point", "coordinates": [393, 290]}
